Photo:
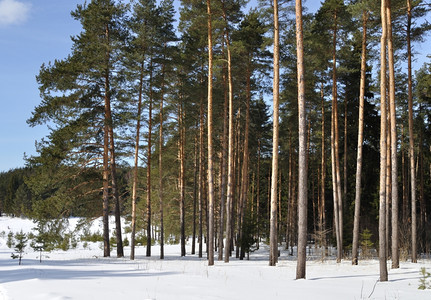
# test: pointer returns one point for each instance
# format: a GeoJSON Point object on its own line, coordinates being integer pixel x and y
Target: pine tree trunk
{"type": "Point", "coordinates": [245, 171]}
{"type": "Point", "coordinates": [273, 244]}
{"type": "Point", "coordinates": [336, 180]}
{"type": "Point", "coordinates": [181, 158]}
{"type": "Point", "coordinates": [201, 175]}
{"type": "Point", "coordinates": [230, 164]}
{"type": "Point", "coordinates": [162, 229]}
{"type": "Point", "coordinates": [195, 194]}
{"type": "Point", "coordinates": [357, 215]}
{"type": "Point", "coordinates": [210, 144]}
{"type": "Point", "coordinates": [106, 246]}
{"type": "Point", "coordinates": [302, 161]}
{"type": "Point", "coordinates": [223, 167]}
{"type": "Point", "coordinates": [382, 185]}
{"type": "Point", "coordinates": [135, 169]}
{"type": "Point", "coordinates": [150, 128]}
{"type": "Point", "coordinates": [258, 195]}
{"type": "Point", "coordinates": [411, 136]}
{"type": "Point", "coordinates": [322, 219]}
{"type": "Point", "coordinates": [393, 131]}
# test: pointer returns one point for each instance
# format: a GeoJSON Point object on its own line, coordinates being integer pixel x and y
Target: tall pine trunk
{"type": "Point", "coordinates": [181, 179]}
{"type": "Point", "coordinates": [357, 216]}
{"type": "Point", "coordinates": [150, 128]}
{"type": "Point", "coordinates": [302, 161]}
{"type": "Point", "coordinates": [382, 184]}
{"type": "Point", "coordinates": [273, 243]}
{"type": "Point", "coordinates": [411, 136]}
{"type": "Point", "coordinates": [230, 164]}
{"type": "Point", "coordinates": [162, 229]}
{"type": "Point", "coordinates": [136, 160]}
{"type": "Point", "coordinates": [336, 180]}
{"type": "Point", "coordinates": [393, 131]}
{"type": "Point", "coordinates": [210, 143]}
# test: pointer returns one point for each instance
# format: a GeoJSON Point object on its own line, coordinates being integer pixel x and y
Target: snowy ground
{"type": "Point", "coordinates": [83, 274]}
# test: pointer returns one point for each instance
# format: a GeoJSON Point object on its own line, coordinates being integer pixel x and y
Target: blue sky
{"type": "Point", "coordinates": [33, 32]}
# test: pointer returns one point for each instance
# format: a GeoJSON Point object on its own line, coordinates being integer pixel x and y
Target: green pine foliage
{"type": "Point", "coordinates": [20, 244]}
{"type": "Point", "coordinates": [424, 281]}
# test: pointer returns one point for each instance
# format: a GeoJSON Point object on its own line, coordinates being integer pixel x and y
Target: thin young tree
{"type": "Point", "coordinates": [273, 242]}
{"type": "Point", "coordinates": [302, 159]}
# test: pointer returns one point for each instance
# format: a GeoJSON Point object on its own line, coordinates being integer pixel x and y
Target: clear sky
{"type": "Point", "coordinates": [33, 32]}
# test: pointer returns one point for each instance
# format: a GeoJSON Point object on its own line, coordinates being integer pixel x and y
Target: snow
{"type": "Point", "coordinates": [83, 274]}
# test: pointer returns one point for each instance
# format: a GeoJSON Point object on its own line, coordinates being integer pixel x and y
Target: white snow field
{"type": "Point", "coordinates": [83, 274]}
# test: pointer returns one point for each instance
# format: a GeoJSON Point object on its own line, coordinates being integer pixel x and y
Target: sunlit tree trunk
{"type": "Point", "coordinates": [394, 142]}
{"type": "Point", "coordinates": [336, 178]}
{"type": "Point", "coordinates": [136, 160]}
{"type": "Point", "coordinates": [182, 187]}
{"type": "Point", "coordinates": [273, 243]}
{"type": "Point", "coordinates": [382, 185]}
{"type": "Point", "coordinates": [210, 144]}
{"type": "Point", "coordinates": [302, 163]}
{"type": "Point", "coordinates": [360, 141]}
{"type": "Point", "coordinates": [150, 128]}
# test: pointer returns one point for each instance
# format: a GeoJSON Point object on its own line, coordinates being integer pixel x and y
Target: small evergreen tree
{"type": "Point", "coordinates": [21, 243]}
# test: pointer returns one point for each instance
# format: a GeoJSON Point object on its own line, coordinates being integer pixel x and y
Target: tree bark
{"type": "Point", "coordinates": [162, 229]}
{"type": "Point", "coordinates": [210, 144]}
{"type": "Point", "coordinates": [322, 219]}
{"type": "Point", "coordinates": [382, 184]}
{"type": "Point", "coordinates": [360, 141]}
{"type": "Point", "coordinates": [136, 160]}
{"type": "Point", "coordinates": [273, 244]}
{"type": "Point", "coordinates": [182, 186]}
{"type": "Point", "coordinates": [394, 142]}
{"type": "Point", "coordinates": [411, 136]}
{"type": "Point", "coordinates": [150, 128]}
{"type": "Point", "coordinates": [336, 180]}
{"type": "Point", "coordinates": [302, 161]}
{"type": "Point", "coordinates": [230, 164]}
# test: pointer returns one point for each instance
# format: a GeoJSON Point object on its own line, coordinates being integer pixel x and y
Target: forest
{"type": "Point", "coordinates": [235, 126]}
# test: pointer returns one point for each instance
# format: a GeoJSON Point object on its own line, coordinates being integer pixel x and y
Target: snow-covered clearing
{"type": "Point", "coordinates": [83, 274]}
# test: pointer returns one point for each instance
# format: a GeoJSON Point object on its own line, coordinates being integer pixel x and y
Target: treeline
{"type": "Point", "coordinates": [139, 129]}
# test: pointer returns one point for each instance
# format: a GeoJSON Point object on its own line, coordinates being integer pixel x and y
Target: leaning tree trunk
{"type": "Point", "coordinates": [135, 169]}
{"type": "Point", "coordinates": [357, 216]}
{"type": "Point", "coordinates": [273, 253]}
{"type": "Point", "coordinates": [210, 144]}
{"type": "Point", "coordinates": [382, 185]}
{"type": "Point", "coordinates": [302, 163]}
{"type": "Point", "coordinates": [411, 136]}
